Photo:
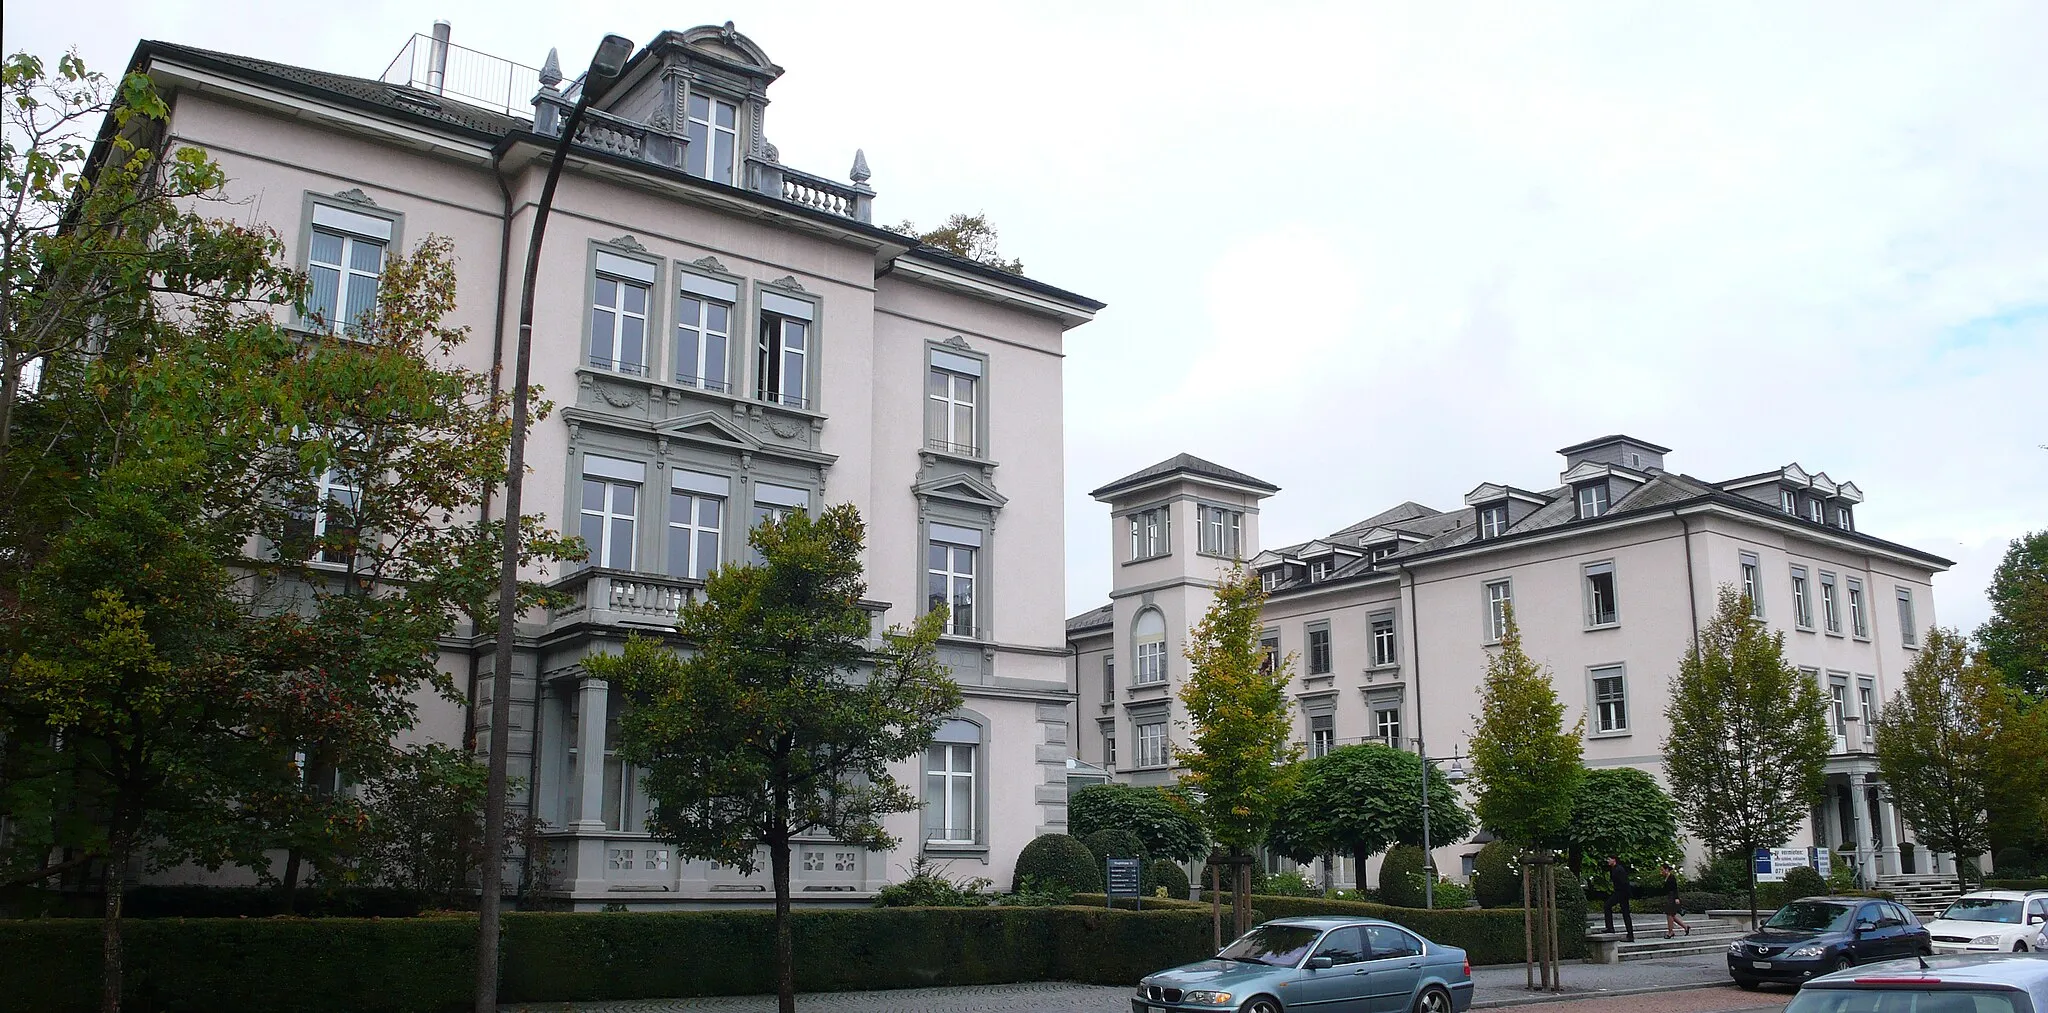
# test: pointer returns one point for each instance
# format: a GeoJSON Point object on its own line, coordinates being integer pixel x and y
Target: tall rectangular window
{"type": "Point", "coordinates": [1843, 519]}
{"type": "Point", "coordinates": [1802, 599]}
{"type": "Point", "coordinates": [1830, 609]}
{"type": "Point", "coordinates": [714, 140]}
{"type": "Point", "coordinates": [1838, 708]}
{"type": "Point", "coordinates": [1148, 643]}
{"type": "Point", "coordinates": [1909, 630]}
{"type": "Point", "coordinates": [1108, 678]}
{"type": "Point", "coordinates": [618, 313]}
{"type": "Point", "coordinates": [1752, 587]}
{"type": "Point", "coordinates": [952, 401]}
{"type": "Point", "coordinates": [1813, 510]}
{"type": "Point", "coordinates": [1592, 500]}
{"type": "Point", "coordinates": [1319, 650]}
{"type": "Point", "coordinates": [343, 261]}
{"type": "Point", "coordinates": [1788, 501]}
{"type": "Point", "coordinates": [949, 779]}
{"type": "Point", "coordinates": [1152, 744]}
{"type": "Point", "coordinates": [328, 525]}
{"type": "Point", "coordinates": [949, 576]}
{"type": "Point", "coordinates": [1386, 726]}
{"type": "Point", "coordinates": [1610, 701]}
{"type": "Point", "coordinates": [1383, 646]}
{"type": "Point", "coordinates": [609, 510]}
{"type": "Point", "coordinates": [1269, 652]}
{"type": "Point", "coordinates": [1149, 533]}
{"type": "Point", "coordinates": [1857, 625]}
{"type": "Point", "coordinates": [782, 353]}
{"type": "Point", "coordinates": [1499, 595]}
{"type": "Point", "coordinates": [774, 503]}
{"type": "Point", "coordinates": [1601, 606]}
{"type": "Point", "coordinates": [1322, 734]}
{"type": "Point", "coordinates": [1866, 707]}
{"type": "Point", "coordinates": [696, 521]}
{"type": "Point", "coordinates": [1222, 530]}
{"type": "Point", "coordinates": [704, 332]}
{"type": "Point", "coordinates": [1493, 520]}
{"type": "Point", "coordinates": [1109, 750]}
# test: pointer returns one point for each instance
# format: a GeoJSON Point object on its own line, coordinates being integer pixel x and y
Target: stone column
{"type": "Point", "coordinates": [1866, 846]}
{"type": "Point", "coordinates": [590, 721]}
{"type": "Point", "coordinates": [1888, 818]}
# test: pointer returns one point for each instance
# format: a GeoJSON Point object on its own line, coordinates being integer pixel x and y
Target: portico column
{"type": "Point", "coordinates": [1888, 818]}
{"type": "Point", "coordinates": [590, 721]}
{"type": "Point", "coordinates": [1866, 843]}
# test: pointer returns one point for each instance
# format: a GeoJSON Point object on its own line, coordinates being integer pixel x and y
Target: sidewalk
{"type": "Point", "coordinates": [1506, 984]}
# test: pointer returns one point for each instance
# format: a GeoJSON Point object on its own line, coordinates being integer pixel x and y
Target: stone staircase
{"type": "Point", "coordinates": [1710, 935]}
{"type": "Point", "coordinates": [1924, 895]}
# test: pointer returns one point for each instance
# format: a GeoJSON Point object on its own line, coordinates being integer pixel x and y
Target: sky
{"type": "Point", "coordinates": [1373, 252]}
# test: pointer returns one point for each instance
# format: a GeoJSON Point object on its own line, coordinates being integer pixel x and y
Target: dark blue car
{"type": "Point", "coordinates": [1816, 935]}
{"type": "Point", "coordinates": [1328, 965]}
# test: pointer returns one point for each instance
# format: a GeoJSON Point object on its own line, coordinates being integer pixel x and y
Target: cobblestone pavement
{"type": "Point", "coordinates": [1505, 984]}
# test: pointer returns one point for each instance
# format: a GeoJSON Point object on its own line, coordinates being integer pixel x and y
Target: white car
{"type": "Point", "coordinates": [1992, 921]}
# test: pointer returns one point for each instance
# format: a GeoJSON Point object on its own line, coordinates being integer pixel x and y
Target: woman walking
{"type": "Point", "coordinates": [1672, 923]}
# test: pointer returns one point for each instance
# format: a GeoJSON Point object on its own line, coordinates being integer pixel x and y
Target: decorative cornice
{"type": "Point", "coordinates": [355, 195]}
{"type": "Point", "coordinates": [956, 341]}
{"type": "Point", "coordinates": [626, 242]}
{"type": "Point", "coordinates": [788, 282]}
{"type": "Point", "coordinates": [710, 264]}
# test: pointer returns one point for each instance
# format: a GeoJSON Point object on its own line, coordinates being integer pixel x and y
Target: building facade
{"type": "Point", "coordinates": [1610, 572]}
{"type": "Point", "coordinates": [726, 338]}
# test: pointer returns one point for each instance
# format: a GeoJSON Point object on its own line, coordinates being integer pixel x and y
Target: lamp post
{"type": "Point", "coordinates": [605, 66]}
{"type": "Point", "coordinates": [1456, 775]}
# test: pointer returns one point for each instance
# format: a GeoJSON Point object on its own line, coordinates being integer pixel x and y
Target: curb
{"type": "Point", "coordinates": [1597, 993]}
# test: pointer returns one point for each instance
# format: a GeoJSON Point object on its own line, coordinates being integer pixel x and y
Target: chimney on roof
{"type": "Point", "coordinates": [437, 58]}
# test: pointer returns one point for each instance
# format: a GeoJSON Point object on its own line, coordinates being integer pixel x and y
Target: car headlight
{"type": "Point", "coordinates": [1141, 991]}
{"type": "Point", "coordinates": [1990, 940]}
{"type": "Point", "coordinates": [1735, 947]}
{"type": "Point", "coordinates": [1815, 950]}
{"type": "Point", "coordinates": [1209, 998]}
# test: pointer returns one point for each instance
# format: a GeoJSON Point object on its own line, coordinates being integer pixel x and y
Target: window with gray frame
{"type": "Point", "coordinates": [1222, 530]}
{"type": "Point", "coordinates": [1321, 569]}
{"type": "Point", "coordinates": [327, 525]}
{"type": "Point", "coordinates": [696, 521]}
{"type": "Point", "coordinates": [1493, 520]}
{"type": "Point", "coordinates": [1384, 649]}
{"type": "Point", "coordinates": [704, 331]}
{"type": "Point", "coordinates": [618, 313]}
{"type": "Point", "coordinates": [1602, 608]}
{"type": "Point", "coordinates": [1108, 677]}
{"type": "Point", "coordinates": [1386, 726]}
{"type": "Point", "coordinates": [1830, 609]}
{"type": "Point", "coordinates": [1610, 701]}
{"type": "Point", "coordinates": [1752, 586]}
{"type": "Point", "coordinates": [1838, 705]}
{"type": "Point", "coordinates": [950, 574]}
{"type": "Point", "coordinates": [1499, 596]}
{"type": "Point", "coordinates": [1270, 579]}
{"type": "Point", "coordinates": [1148, 642]}
{"type": "Point", "coordinates": [1592, 500]}
{"type": "Point", "coordinates": [1319, 649]}
{"type": "Point", "coordinates": [1379, 552]}
{"type": "Point", "coordinates": [1802, 600]}
{"type": "Point", "coordinates": [1788, 501]}
{"type": "Point", "coordinates": [782, 352]}
{"type": "Point", "coordinates": [1322, 734]}
{"type": "Point", "coordinates": [1109, 750]}
{"type": "Point", "coordinates": [1857, 624]}
{"type": "Point", "coordinates": [344, 258]}
{"type": "Point", "coordinates": [774, 502]}
{"type": "Point", "coordinates": [1909, 630]}
{"type": "Point", "coordinates": [611, 494]}
{"type": "Point", "coordinates": [1269, 652]}
{"type": "Point", "coordinates": [1843, 518]}
{"type": "Point", "coordinates": [1813, 510]}
{"type": "Point", "coordinates": [952, 403]}
{"type": "Point", "coordinates": [949, 779]}
{"type": "Point", "coordinates": [1149, 533]}
{"type": "Point", "coordinates": [1866, 705]}
{"type": "Point", "coordinates": [1152, 744]}
{"type": "Point", "coordinates": [712, 127]}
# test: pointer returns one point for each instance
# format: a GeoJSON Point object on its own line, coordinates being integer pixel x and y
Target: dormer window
{"type": "Point", "coordinates": [1380, 552]}
{"type": "Point", "coordinates": [1592, 500]}
{"type": "Point", "coordinates": [1813, 510]}
{"type": "Point", "coordinates": [714, 139]}
{"type": "Point", "coordinates": [1842, 518]}
{"type": "Point", "coordinates": [1270, 579]}
{"type": "Point", "coordinates": [1321, 569]}
{"type": "Point", "coordinates": [1788, 501]}
{"type": "Point", "coordinates": [1493, 520]}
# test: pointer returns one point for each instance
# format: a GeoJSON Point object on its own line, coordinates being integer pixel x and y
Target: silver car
{"type": "Point", "coordinates": [1946, 983]}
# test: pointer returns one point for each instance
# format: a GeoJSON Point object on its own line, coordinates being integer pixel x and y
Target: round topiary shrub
{"type": "Point", "coordinates": [2012, 860]}
{"type": "Point", "coordinates": [1496, 876]}
{"type": "Point", "coordinates": [1804, 882]}
{"type": "Point", "coordinates": [1167, 873]}
{"type": "Point", "coordinates": [1114, 843]}
{"type": "Point", "coordinates": [1056, 862]}
{"type": "Point", "coordinates": [1401, 876]}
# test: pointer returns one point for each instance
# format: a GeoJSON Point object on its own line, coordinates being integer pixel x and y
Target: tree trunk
{"type": "Point", "coordinates": [1752, 894]}
{"type": "Point", "coordinates": [1528, 930]}
{"type": "Point", "coordinates": [287, 890]}
{"type": "Point", "coordinates": [110, 931]}
{"type": "Point", "coordinates": [1216, 901]}
{"type": "Point", "coordinates": [1962, 878]}
{"type": "Point", "coordinates": [785, 948]}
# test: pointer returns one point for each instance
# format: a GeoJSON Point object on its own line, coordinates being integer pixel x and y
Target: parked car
{"type": "Point", "coordinates": [1992, 921]}
{"type": "Point", "coordinates": [1949, 983]}
{"type": "Point", "coordinates": [1317, 964]}
{"type": "Point", "coordinates": [1811, 937]}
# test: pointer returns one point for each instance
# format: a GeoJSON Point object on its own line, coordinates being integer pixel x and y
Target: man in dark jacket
{"type": "Point", "coordinates": [1618, 894]}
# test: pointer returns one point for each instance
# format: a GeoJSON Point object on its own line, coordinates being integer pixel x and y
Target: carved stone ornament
{"type": "Point", "coordinates": [728, 34]}
{"type": "Point", "coordinates": [619, 398]}
{"type": "Point", "coordinates": [709, 264]}
{"type": "Point", "coordinates": [956, 341]}
{"type": "Point", "coordinates": [355, 196]}
{"type": "Point", "coordinates": [626, 242]}
{"type": "Point", "coordinates": [786, 430]}
{"type": "Point", "coordinates": [551, 69]}
{"type": "Point", "coordinates": [860, 173]}
{"type": "Point", "coordinates": [787, 281]}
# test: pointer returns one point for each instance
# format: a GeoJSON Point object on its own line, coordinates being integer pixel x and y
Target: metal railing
{"type": "Point", "coordinates": [480, 79]}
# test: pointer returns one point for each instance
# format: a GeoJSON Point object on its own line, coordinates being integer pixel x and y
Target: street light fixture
{"type": "Point", "coordinates": [605, 67]}
{"type": "Point", "coordinates": [1456, 775]}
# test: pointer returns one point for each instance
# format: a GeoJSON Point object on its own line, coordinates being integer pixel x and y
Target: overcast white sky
{"type": "Point", "coordinates": [1376, 252]}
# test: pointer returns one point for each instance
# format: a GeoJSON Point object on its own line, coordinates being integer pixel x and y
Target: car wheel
{"type": "Point", "coordinates": [1261, 1004]}
{"type": "Point", "coordinates": [1748, 984]}
{"type": "Point", "coordinates": [1433, 1000]}
{"type": "Point", "coordinates": [1843, 963]}
{"type": "Point", "coordinates": [2020, 947]}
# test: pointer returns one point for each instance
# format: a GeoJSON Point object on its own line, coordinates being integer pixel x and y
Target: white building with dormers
{"type": "Point", "coordinates": [1611, 570]}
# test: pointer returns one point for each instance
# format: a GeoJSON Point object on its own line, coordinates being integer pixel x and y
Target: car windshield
{"type": "Point", "coordinates": [1809, 916]}
{"type": "Point", "coordinates": [1903, 1000]}
{"type": "Point", "coordinates": [1984, 909]}
{"type": "Point", "coordinates": [1278, 945]}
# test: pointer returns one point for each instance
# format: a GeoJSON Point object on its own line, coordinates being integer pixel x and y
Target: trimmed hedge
{"type": "Point", "coordinates": [1487, 935]}
{"type": "Point", "coordinates": [2037, 883]}
{"type": "Point", "coordinates": [425, 965]}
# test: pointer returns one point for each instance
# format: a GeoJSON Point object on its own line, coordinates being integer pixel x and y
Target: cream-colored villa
{"type": "Point", "coordinates": [726, 338]}
{"type": "Point", "coordinates": [1610, 570]}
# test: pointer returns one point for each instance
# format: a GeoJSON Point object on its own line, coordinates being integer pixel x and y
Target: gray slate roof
{"type": "Point", "coordinates": [1190, 464]}
{"type": "Point", "coordinates": [1092, 619]}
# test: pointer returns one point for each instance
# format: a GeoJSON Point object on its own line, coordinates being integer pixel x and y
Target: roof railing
{"type": "Point", "coordinates": [443, 68]}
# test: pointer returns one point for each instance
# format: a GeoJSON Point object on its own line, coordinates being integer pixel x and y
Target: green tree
{"type": "Point", "coordinates": [1242, 758]}
{"type": "Point", "coordinates": [2015, 638]}
{"type": "Point", "coordinates": [1159, 816]}
{"type": "Point", "coordinates": [1525, 762]}
{"type": "Point", "coordinates": [1749, 737]}
{"type": "Point", "coordinates": [1623, 811]}
{"type": "Point", "coordinates": [1361, 800]}
{"type": "Point", "coordinates": [786, 717]}
{"type": "Point", "coordinates": [1938, 746]}
{"type": "Point", "coordinates": [964, 235]}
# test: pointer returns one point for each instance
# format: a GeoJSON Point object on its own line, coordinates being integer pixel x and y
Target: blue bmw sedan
{"type": "Point", "coordinates": [1327, 965]}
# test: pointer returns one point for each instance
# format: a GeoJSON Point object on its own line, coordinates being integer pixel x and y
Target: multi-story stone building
{"type": "Point", "coordinates": [726, 338]}
{"type": "Point", "coordinates": [1610, 572]}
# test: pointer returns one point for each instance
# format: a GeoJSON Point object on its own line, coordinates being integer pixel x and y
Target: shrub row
{"type": "Point", "coordinates": [423, 965]}
{"type": "Point", "coordinates": [229, 902]}
{"type": "Point", "coordinates": [2037, 883]}
{"type": "Point", "coordinates": [1488, 935]}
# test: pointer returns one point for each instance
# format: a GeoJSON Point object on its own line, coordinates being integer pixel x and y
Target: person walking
{"type": "Point", "coordinates": [1618, 893]}
{"type": "Point", "coordinates": [1672, 923]}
